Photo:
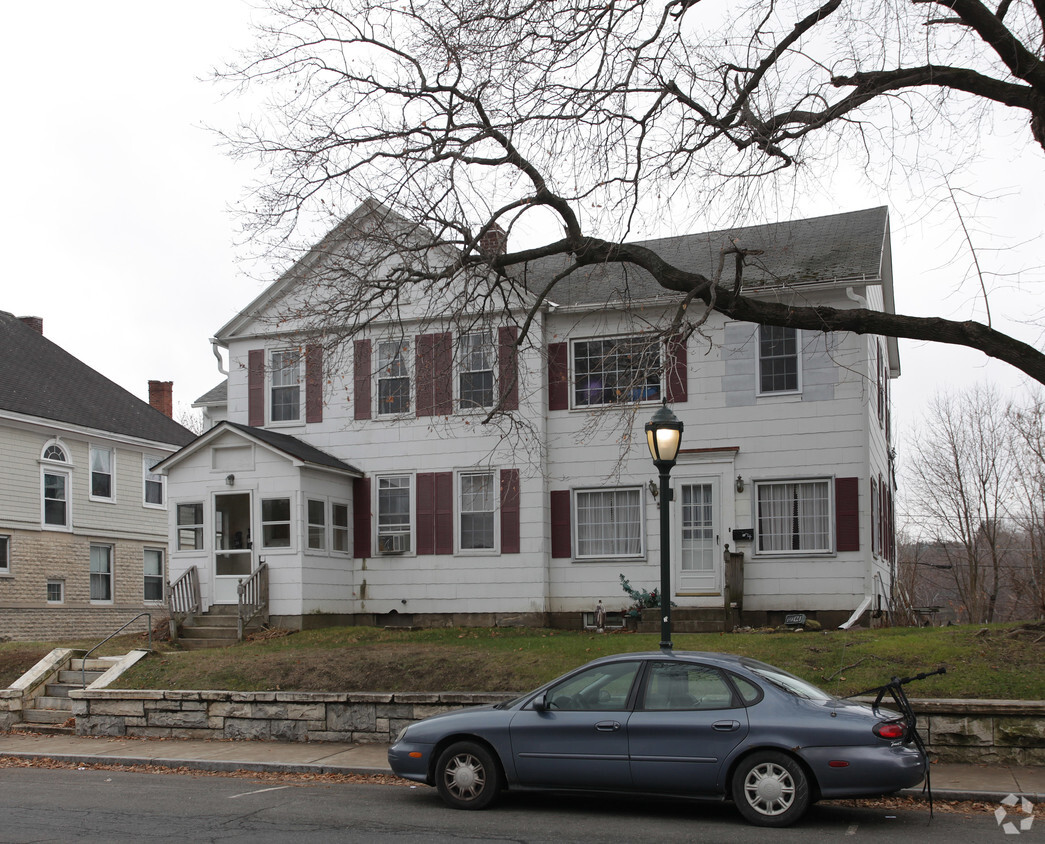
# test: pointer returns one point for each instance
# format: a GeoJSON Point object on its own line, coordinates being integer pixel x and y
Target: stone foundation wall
{"type": "Point", "coordinates": [1001, 732]}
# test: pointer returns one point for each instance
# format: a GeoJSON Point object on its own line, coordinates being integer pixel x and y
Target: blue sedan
{"type": "Point", "coordinates": [701, 725]}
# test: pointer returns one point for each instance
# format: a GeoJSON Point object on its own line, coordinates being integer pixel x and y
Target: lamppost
{"type": "Point", "coordinates": [663, 436]}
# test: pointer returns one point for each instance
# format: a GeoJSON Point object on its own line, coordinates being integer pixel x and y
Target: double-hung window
{"type": "Point", "coordinates": [778, 370]}
{"type": "Point", "coordinates": [5, 554]}
{"type": "Point", "coordinates": [794, 516]}
{"type": "Point", "coordinates": [616, 369]}
{"type": "Point", "coordinates": [609, 522]}
{"type": "Point", "coordinates": [478, 509]}
{"type": "Point", "coordinates": [317, 524]}
{"type": "Point", "coordinates": [339, 528]}
{"type": "Point", "coordinates": [153, 571]}
{"type": "Point", "coordinates": [393, 377]}
{"type": "Point", "coordinates": [55, 481]}
{"type": "Point", "coordinates": [102, 474]}
{"type": "Point", "coordinates": [154, 484]}
{"type": "Point", "coordinates": [285, 369]}
{"type": "Point", "coordinates": [394, 514]}
{"type": "Point", "coordinates": [275, 522]}
{"type": "Point", "coordinates": [101, 573]}
{"type": "Point", "coordinates": [55, 591]}
{"type": "Point", "coordinates": [476, 370]}
{"type": "Point", "coordinates": [190, 527]}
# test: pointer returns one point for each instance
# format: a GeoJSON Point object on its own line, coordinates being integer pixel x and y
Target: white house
{"type": "Point", "coordinates": [375, 488]}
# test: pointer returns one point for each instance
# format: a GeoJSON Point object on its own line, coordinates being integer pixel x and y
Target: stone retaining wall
{"type": "Point", "coordinates": [985, 731]}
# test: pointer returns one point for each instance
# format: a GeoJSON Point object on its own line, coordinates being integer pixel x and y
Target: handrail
{"type": "Point", "coordinates": [251, 598]}
{"type": "Point", "coordinates": [183, 596]}
{"type": "Point", "coordinates": [83, 662]}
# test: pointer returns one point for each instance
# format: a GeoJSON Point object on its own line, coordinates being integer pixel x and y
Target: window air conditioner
{"type": "Point", "coordinates": [393, 543]}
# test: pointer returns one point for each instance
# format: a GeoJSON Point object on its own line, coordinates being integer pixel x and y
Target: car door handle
{"type": "Point", "coordinates": [607, 726]}
{"type": "Point", "coordinates": [726, 726]}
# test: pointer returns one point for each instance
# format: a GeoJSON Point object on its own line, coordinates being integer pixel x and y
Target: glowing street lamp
{"type": "Point", "coordinates": [664, 436]}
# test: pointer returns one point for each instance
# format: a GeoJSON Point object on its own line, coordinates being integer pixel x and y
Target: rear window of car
{"type": "Point", "coordinates": [788, 682]}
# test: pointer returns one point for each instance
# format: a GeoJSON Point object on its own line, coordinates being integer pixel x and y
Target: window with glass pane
{"type": "Point", "coordinates": [618, 369]}
{"type": "Point", "coordinates": [317, 525]}
{"type": "Point", "coordinates": [190, 527]}
{"type": "Point", "coordinates": [153, 574]}
{"type": "Point", "coordinates": [339, 527]}
{"type": "Point", "coordinates": [286, 385]}
{"type": "Point", "coordinates": [794, 516]}
{"type": "Point", "coordinates": [476, 376]}
{"type": "Point", "coordinates": [153, 482]}
{"type": "Point", "coordinates": [478, 503]}
{"type": "Point", "coordinates": [101, 572]}
{"type": "Point", "coordinates": [609, 523]}
{"type": "Point", "coordinates": [672, 685]}
{"type": "Point", "coordinates": [5, 554]}
{"type": "Point", "coordinates": [275, 522]}
{"type": "Point", "coordinates": [393, 377]}
{"type": "Point", "coordinates": [101, 473]}
{"type": "Point", "coordinates": [393, 514]}
{"type": "Point", "coordinates": [55, 591]}
{"type": "Point", "coordinates": [602, 687]}
{"type": "Point", "coordinates": [54, 452]}
{"type": "Point", "coordinates": [55, 502]}
{"type": "Point", "coordinates": [777, 359]}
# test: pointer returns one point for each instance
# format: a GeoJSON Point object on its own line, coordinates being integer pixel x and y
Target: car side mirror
{"type": "Point", "coordinates": [540, 703]}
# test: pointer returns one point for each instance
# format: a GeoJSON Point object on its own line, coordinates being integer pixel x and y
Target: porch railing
{"type": "Point", "coordinates": [252, 598]}
{"type": "Point", "coordinates": [183, 598]}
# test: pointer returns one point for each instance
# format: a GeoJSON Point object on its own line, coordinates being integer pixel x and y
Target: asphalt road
{"type": "Point", "coordinates": [39, 804]}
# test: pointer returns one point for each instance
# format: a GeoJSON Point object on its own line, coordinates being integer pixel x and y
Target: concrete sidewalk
{"type": "Point", "coordinates": [989, 783]}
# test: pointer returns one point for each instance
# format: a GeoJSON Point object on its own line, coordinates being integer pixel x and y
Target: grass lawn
{"type": "Point", "coordinates": [999, 661]}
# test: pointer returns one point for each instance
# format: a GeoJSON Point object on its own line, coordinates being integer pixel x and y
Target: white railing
{"type": "Point", "coordinates": [252, 598]}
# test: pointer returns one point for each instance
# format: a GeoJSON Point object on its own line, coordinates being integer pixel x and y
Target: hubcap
{"type": "Point", "coordinates": [769, 789]}
{"type": "Point", "coordinates": [465, 776]}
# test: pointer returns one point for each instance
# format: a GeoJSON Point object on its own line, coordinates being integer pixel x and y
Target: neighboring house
{"type": "Point", "coordinates": [83, 516]}
{"type": "Point", "coordinates": [366, 483]}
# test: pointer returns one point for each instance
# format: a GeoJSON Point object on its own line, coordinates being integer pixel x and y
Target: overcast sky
{"type": "Point", "coordinates": [117, 232]}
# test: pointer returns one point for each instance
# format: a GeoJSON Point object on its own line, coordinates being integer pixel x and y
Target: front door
{"type": "Point", "coordinates": [699, 566]}
{"type": "Point", "coordinates": [233, 557]}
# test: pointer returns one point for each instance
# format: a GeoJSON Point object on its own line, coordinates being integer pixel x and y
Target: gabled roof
{"type": "Point", "coordinates": [291, 447]}
{"type": "Point", "coordinates": [216, 395]}
{"type": "Point", "coordinates": [40, 379]}
{"type": "Point", "coordinates": [839, 248]}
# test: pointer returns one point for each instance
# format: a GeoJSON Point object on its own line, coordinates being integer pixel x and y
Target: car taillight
{"type": "Point", "coordinates": [890, 730]}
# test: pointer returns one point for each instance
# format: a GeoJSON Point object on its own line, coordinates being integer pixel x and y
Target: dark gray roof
{"type": "Point", "coordinates": [836, 248]}
{"type": "Point", "coordinates": [41, 379]}
{"type": "Point", "coordinates": [293, 447]}
{"type": "Point", "coordinates": [218, 394]}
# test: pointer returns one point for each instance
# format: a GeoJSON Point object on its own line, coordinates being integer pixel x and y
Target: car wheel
{"type": "Point", "coordinates": [770, 789]}
{"type": "Point", "coordinates": [467, 776]}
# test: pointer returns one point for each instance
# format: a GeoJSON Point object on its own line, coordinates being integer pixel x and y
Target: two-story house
{"type": "Point", "coordinates": [374, 485]}
{"type": "Point", "coordinates": [83, 514]}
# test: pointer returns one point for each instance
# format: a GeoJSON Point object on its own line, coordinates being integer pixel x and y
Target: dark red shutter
{"type": "Point", "coordinates": [677, 371]}
{"type": "Point", "coordinates": [847, 514]}
{"type": "Point", "coordinates": [434, 371]}
{"type": "Point", "coordinates": [362, 378]}
{"type": "Point", "coordinates": [256, 388]}
{"type": "Point", "coordinates": [883, 514]}
{"type": "Point", "coordinates": [510, 511]}
{"type": "Point", "coordinates": [558, 376]}
{"type": "Point", "coordinates": [560, 516]}
{"type": "Point", "coordinates": [424, 376]}
{"type": "Point", "coordinates": [444, 513]}
{"type": "Point", "coordinates": [313, 383]}
{"type": "Point", "coordinates": [508, 367]}
{"type": "Point", "coordinates": [361, 517]}
{"type": "Point", "coordinates": [425, 506]}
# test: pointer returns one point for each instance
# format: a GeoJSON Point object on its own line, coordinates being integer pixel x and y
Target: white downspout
{"type": "Point", "coordinates": [859, 611]}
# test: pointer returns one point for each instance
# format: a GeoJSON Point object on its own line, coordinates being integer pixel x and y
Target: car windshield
{"type": "Point", "coordinates": [788, 682]}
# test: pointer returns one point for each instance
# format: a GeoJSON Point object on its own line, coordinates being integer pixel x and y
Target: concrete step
{"type": "Point", "coordinates": [228, 633]}
{"type": "Point", "coordinates": [60, 689]}
{"type": "Point", "coordinates": [199, 644]}
{"type": "Point", "coordinates": [54, 702]}
{"type": "Point", "coordinates": [217, 622]}
{"type": "Point", "coordinates": [46, 716]}
{"type": "Point", "coordinates": [94, 664]}
{"type": "Point", "coordinates": [78, 678]}
{"type": "Point", "coordinates": [45, 729]}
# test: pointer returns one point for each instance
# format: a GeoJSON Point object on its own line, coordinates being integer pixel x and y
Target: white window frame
{"type": "Point", "coordinates": [54, 581]}
{"type": "Point", "coordinates": [5, 555]}
{"type": "Point", "coordinates": [109, 574]}
{"type": "Point", "coordinates": [611, 522]}
{"type": "Point", "coordinates": [829, 517]}
{"type": "Point", "coordinates": [404, 372]}
{"type": "Point", "coordinates": [344, 531]}
{"type": "Point", "coordinates": [198, 528]}
{"type": "Point", "coordinates": [461, 482]}
{"type": "Point", "coordinates": [648, 394]}
{"type": "Point", "coordinates": [407, 543]}
{"type": "Point", "coordinates": [288, 521]}
{"type": "Point", "coordinates": [147, 576]}
{"type": "Point", "coordinates": [91, 494]}
{"type": "Point", "coordinates": [316, 529]}
{"type": "Point", "coordinates": [476, 359]}
{"type": "Point", "coordinates": [54, 460]}
{"type": "Point", "coordinates": [275, 382]}
{"type": "Point", "coordinates": [760, 360]}
{"type": "Point", "coordinates": [150, 477]}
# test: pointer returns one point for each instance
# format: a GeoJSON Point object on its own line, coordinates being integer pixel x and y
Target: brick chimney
{"type": "Point", "coordinates": [494, 242]}
{"type": "Point", "coordinates": [161, 397]}
{"type": "Point", "coordinates": [34, 322]}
